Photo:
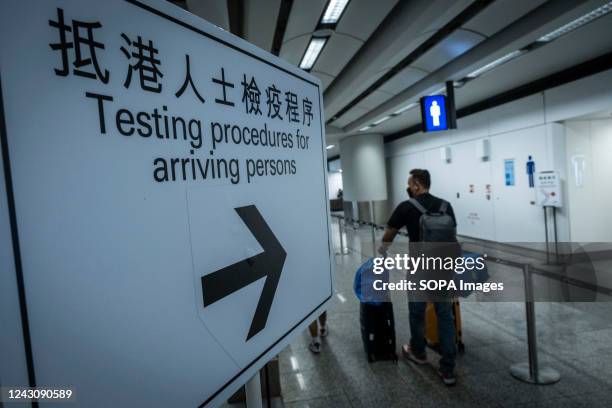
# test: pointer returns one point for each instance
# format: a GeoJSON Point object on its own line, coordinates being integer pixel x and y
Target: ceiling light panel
{"type": "Point", "coordinates": [405, 108]}
{"type": "Point", "coordinates": [577, 23]}
{"type": "Point", "coordinates": [334, 11]}
{"type": "Point", "coordinates": [496, 63]}
{"type": "Point", "coordinates": [312, 52]}
{"type": "Point", "coordinates": [381, 120]}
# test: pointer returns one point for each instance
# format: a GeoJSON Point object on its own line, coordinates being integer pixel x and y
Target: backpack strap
{"type": "Point", "coordinates": [417, 205]}
{"type": "Point", "coordinates": [443, 207]}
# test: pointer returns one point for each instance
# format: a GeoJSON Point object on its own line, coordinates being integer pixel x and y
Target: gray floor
{"type": "Point", "coordinates": [574, 338]}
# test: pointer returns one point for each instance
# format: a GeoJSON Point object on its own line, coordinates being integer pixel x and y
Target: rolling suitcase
{"type": "Point", "coordinates": [431, 327]}
{"type": "Point", "coordinates": [375, 314]}
{"type": "Point", "coordinates": [378, 330]}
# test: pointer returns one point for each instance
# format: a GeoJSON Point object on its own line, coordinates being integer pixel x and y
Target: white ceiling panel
{"type": "Point", "coordinates": [599, 115]}
{"type": "Point", "coordinates": [403, 80]}
{"type": "Point", "coordinates": [499, 14]}
{"type": "Point", "coordinates": [361, 17]}
{"type": "Point", "coordinates": [374, 99]}
{"type": "Point", "coordinates": [336, 53]}
{"type": "Point", "coordinates": [361, 86]}
{"type": "Point", "coordinates": [450, 48]}
{"type": "Point", "coordinates": [447, 11]}
{"type": "Point", "coordinates": [581, 45]}
{"type": "Point", "coordinates": [586, 43]}
{"type": "Point", "coordinates": [256, 13]}
{"type": "Point", "coordinates": [395, 44]}
{"type": "Point", "coordinates": [409, 40]}
{"type": "Point", "coordinates": [303, 19]}
{"type": "Point", "coordinates": [293, 50]}
{"type": "Point", "coordinates": [325, 78]}
{"type": "Point", "coordinates": [213, 11]}
{"type": "Point", "coordinates": [400, 122]}
{"type": "Point", "coordinates": [419, 20]}
{"type": "Point", "coordinates": [350, 116]}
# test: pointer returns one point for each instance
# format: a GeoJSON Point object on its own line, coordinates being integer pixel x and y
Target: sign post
{"type": "Point", "coordinates": [169, 204]}
{"type": "Point", "coordinates": [548, 194]}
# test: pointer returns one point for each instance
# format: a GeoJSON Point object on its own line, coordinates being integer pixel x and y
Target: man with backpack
{"type": "Point", "coordinates": [431, 225]}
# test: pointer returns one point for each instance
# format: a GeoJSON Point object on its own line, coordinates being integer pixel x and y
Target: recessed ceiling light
{"type": "Point", "coordinates": [405, 108]}
{"type": "Point", "coordinates": [551, 36]}
{"type": "Point", "coordinates": [363, 129]}
{"type": "Point", "coordinates": [381, 120]}
{"type": "Point", "coordinates": [329, 147]}
{"type": "Point", "coordinates": [577, 23]}
{"type": "Point", "coordinates": [510, 56]}
{"type": "Point", "coordinates": [312, 52]}
{"type": "Point", "coordinates": [334, 11]}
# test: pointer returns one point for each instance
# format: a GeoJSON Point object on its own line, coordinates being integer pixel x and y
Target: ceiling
{"type": "Point", "coordinates": [384, 54]}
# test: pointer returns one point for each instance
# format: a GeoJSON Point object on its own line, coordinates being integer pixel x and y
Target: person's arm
{"type": "Point", "coordinates": [389, 235]}
{"type": "Point", "coordinates": [387, 239]}
{"type": "Point", "coordinates": [393, 226]}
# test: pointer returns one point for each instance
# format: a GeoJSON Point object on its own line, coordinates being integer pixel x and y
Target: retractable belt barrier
{"type": "Point", "coordinates": [530, 371]}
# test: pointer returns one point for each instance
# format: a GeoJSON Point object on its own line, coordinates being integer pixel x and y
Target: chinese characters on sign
{"type": "Point", "coordinates": [84, 48]}
{"type": "Point", "coordinates": [82, 53]}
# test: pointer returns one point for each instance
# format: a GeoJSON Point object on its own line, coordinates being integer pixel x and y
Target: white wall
{"type": "Point", "coordinates": [529, 126]}
{"type": "Point", "coordinates": [493, 211]}
{"type": "Point", "coordinates": [589, 146]}
{"type": "Point", "coordinates": [334, 183]}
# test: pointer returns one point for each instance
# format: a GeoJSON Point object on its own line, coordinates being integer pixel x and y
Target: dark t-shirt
{"type": "Point", "coordinates": [407, 215]}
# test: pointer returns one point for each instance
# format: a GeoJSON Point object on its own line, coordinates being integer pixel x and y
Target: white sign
{"type": "Point", "coordinates": [548, 189]}
{"type": "Point", "coordinates": [169, 200]}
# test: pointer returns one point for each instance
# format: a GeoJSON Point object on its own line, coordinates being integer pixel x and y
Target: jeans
{"type": "Point", "coordinates": [446, 331]}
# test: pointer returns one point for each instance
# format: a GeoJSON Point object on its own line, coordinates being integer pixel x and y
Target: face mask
{"type": "Point", "coordinates": [409, 193]}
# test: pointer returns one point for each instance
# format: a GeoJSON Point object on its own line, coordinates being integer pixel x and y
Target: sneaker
{"type": "Point", "coordinates": [447, 378]}
{"type": "Point", "coordinates": [324, 332]}
{"type": "Point", "coordinates": [315, 347]}
{"type": "Point", "coordinates": [410, 355]}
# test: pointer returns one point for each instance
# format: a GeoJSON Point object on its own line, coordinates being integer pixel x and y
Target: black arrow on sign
{"type": "Point", "coordinates": [269, 263]}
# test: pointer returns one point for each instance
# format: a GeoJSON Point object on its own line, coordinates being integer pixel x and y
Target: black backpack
{"type": "Point", "coordinates": [436, 226]}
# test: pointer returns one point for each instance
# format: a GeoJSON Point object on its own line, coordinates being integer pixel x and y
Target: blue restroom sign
{"type": "Point", "coordinates": [434, 113]}
{"type": "Point", "coordinates": [509, 172]}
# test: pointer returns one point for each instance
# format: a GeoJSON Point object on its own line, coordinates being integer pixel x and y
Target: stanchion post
{"type": "Point", "coordinates": [253, 392]}
{"type": "Point", "coordinates": [342, 250]}
{"type": "Point", "coordinates": [268, 393]}
{"type": "Point", "coordinates": [546, 235]}
{"type": "Point", "coordinates": [531, 372]}
{"type": "Point", "coordinates": [532, 343]}
{"type": "Point", "coordinates": [373, 228]}
{"type": "Point", "coordinates": [554, 210]}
